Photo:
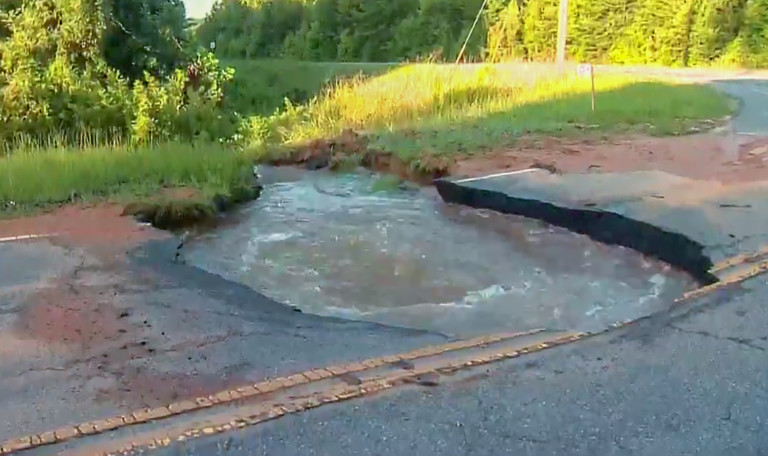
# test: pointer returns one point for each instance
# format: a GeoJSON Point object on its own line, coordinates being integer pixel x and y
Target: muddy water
{"type": "Point", "coordinates": [342, 246]}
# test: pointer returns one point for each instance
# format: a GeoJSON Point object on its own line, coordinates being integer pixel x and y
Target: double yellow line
{"type": "Point", "coordinates": [323, 386]}
{"type": "Point", "coordinates": [273, 386]}
{"type": "Point", "coordinates": [756, 268]}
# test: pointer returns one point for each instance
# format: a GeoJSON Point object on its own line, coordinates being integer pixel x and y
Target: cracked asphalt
{"type": "Point", "coordinates": [82, 337]}
{"type": "Point", "coordinates": [692, 381]}
{"type": "Point", "coordinates": [690, 384]}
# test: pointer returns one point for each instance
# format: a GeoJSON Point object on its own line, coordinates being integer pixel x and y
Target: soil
{"type": "Point", "coordinates": [84, 319]}
{"type": "Point", "coordinates": [705, 156]}
{"type": "Point", "coordinates": [708, 156]}
{"type": "Point", "coordinates": [100, 226]}
{"type": "Point", "coordinates": [351, 147]}
{"type": "Point", "coordinates": [66, 315]}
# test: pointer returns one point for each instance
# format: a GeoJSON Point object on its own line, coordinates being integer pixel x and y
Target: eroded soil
{"type": "Point", "coordinates": [99, 227]}
{"type": "Point", "coordinates": [724, 158]}
{"type": "Point", "coordinates": [727, 158]}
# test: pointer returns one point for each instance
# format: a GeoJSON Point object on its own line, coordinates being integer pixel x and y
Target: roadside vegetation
{"type": "Point", "coordinates": [37, 177]}
{"type": "Point", "coordinates": [101, 101]}
{"type": "Point", "coordinates": [446, 104]}
{"type": "Point", "coordinates": [92, 109]}
{"type": "Point", "coordinates": [660, 32]}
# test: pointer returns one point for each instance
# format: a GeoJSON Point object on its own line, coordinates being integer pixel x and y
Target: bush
{"type": "Point", "coordinates": [144, 36]}
{"type": "Point", "coordinates": [56, 83]}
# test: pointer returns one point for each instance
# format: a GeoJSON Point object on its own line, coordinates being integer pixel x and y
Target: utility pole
{"type": "Point", "coordinates": [562, 31]}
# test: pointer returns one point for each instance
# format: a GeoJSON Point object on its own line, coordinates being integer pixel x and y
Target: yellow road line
{"type": "Point", "coordinates": [247, 391]}
{"type": "Point", "coordinates": [253, 414]}
{"type": "Point", "coordinates": [314, 375]}
{"type": "Point", "coordinates": [739, 259]}
{"type": "Point", "coordinates": [756, 270]}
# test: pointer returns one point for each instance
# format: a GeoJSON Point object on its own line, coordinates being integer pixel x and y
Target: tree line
{"type": "Point", "coordinates": [667, 32]}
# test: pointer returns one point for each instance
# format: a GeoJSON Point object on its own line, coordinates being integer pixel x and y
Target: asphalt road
{"type": "Point", "coordinates": [752, 118]}
{"type": "Point", "coordinates": [83, 338]}
{"type": "Point", "coordinates": [690, 385]}
{"type": "Point", "coordinates": [694, 383]}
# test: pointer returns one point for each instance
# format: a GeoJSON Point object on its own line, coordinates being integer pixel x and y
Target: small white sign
{"type": "Point", "coordinates": [585, 69]}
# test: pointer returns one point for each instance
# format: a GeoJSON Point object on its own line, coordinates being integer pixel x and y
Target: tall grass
{"type": "Point", "coordinates": [423, 105]}
{"type": "Point", "coordinates": [38, 177]}
{"type": "Point", "coordinates": [412, 110]}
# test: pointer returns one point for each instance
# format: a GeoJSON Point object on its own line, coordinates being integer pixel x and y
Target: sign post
{"type": "Point", "coordinates": [588, 70]}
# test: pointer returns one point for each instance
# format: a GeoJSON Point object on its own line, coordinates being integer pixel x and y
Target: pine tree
{"type": "Point", "coordinates": [540, 28]}
{"type": "Point", "coordinates": [505, 39]}
{"type": "Point", "coordinates": [716, 24]}
{"type": "Point", "coordinates": [596, 25]}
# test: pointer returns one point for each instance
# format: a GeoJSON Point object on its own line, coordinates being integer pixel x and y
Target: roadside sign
{"type": "Point", "coordinates": [587, 69]}
{"type": "Point", "coordinates": [584, 69]}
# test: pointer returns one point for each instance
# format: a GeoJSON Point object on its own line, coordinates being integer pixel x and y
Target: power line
{"type": "Point", "coordinates": [469, 35]}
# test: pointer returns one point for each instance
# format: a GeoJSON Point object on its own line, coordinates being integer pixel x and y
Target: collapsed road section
{"type": "Point", "coordinates": [687, 223]}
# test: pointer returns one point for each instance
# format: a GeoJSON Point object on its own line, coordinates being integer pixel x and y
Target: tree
{"type": "Point", "coordinates": [144, 35]}
{"type": "Point", "coordinates": [505, 30]}
{"type": "Point", "coordinates": [716, 24]}
{"type": "Point", "coordinates": [750, 47]}
{"type": "Point", "coordinates": [540, 28]}
{"type": "Point", "coordinates": [53, 77]}
{"type": "Point", "coordinates": [595, 25]}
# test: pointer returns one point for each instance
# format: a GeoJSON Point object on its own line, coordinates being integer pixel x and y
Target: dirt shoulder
{"type": "Point", "coordinates": [710, 156]}
{"type": "Point", "coordinates": [99, 227]}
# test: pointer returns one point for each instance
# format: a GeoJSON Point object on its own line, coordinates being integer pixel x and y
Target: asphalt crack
{"type": "Point", "coordinates": [749, 343]}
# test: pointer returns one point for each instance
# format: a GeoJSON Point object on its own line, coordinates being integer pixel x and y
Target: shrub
{"type": "Point", "coordinates": [56, 83]}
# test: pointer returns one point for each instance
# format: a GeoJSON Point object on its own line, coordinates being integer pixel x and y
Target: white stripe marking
{"type": "Point", "coordinates": [491, 176]}
{"type": "Point", "coordinates": [25, 237]}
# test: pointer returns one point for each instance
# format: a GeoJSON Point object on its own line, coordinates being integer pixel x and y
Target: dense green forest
{"type": "Point", "coordinates": [667, 32]}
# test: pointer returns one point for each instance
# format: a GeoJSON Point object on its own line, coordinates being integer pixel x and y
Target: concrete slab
{"type": "Point", "coordinates": [687, 223]}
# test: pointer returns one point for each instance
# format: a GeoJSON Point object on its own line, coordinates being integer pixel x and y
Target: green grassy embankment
{"type": "Point", "coordinates": [441, 110]}
{"type": "Point", "coordinates": [412, 112]}
{"type": "Point", "coordinates": [39, 178]}
{"type": "Point", "coordinates": [260, 87]}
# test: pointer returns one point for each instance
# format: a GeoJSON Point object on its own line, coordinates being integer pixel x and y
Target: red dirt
{"type": "Point", "coordinates": [65, 315]}
{"type": "Point", "coordinates": [99, 225]}
{"type": "Point", "coordinates": [333, 152]}
{"type": "Point", "coordinates": [707, 156]}
{"type": "Point", "coordinates": [702, 156]}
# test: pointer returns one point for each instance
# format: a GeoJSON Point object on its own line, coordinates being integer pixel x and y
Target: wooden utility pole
{"type": "Point", "coordinates": [562, 31]}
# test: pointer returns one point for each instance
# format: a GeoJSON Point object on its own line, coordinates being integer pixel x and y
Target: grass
{"type": "Point", "coordinates": [261, 87]}
{"type": "Point", "coordinates": [442, 109]}
{"type": "Point", "coordinates": [422, 113]}
{"type": "Point", "coordinates": [31, 179]}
